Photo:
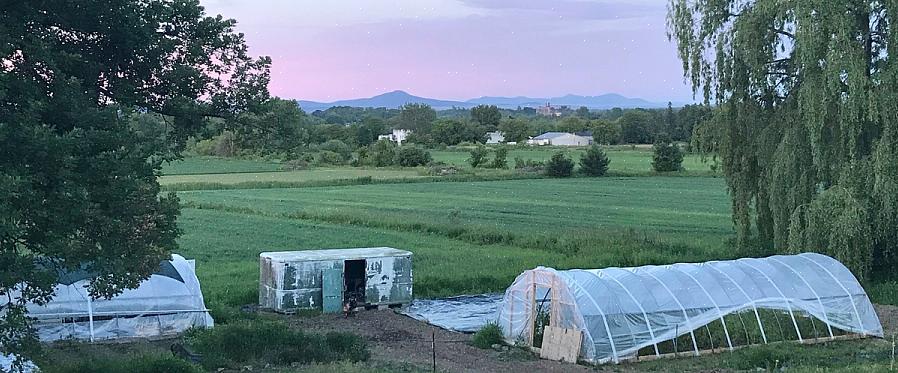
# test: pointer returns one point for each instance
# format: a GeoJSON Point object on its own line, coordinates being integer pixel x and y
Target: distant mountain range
{"type": "Point", "coordinates": [396, 99]}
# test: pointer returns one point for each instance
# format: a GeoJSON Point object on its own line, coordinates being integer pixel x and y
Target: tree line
{"type": "Point", "coordinates": [280, 127]}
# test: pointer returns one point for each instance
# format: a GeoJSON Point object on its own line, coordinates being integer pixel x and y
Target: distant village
{"type": "Point", "coordinates": [583, 138]}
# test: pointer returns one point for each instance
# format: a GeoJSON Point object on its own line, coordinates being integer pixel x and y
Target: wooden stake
{"type": "Point", "coordinates": [892, 364]}
{"type": "Point", "coordinates": [433, 349]}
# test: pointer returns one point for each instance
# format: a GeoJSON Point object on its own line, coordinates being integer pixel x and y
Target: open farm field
{"type": "Point", "coordinates": [566, 209]}
{"type": "Point", "coordinates": [467, 237]}
{"type": "Point", "coordinates": [313, 175]}
{"type": "Point", "coordinates": [217, 165]}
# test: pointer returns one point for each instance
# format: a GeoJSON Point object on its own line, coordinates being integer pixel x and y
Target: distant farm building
{"type": "Point", "coordinates": [398, 136]}
{"type": "Point", "coordinates": [560, 139]}
{"type": "Point", "coordinates": [334, 280]}
{"type": "Point", "coordinates": [165, 305]}
{"type": "Point", "coordinates": [495, 137]}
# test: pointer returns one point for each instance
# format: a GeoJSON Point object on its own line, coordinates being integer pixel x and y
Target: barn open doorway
{"type": "Point", "coordinates": [354, 282]}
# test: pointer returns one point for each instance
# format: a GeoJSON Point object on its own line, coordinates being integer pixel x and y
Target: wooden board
{"type": "Point", "coordinates": [561, 344]}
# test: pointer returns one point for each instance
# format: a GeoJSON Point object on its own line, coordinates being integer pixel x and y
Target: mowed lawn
{"type": "Point", "coordinates": [624, 159]}
{"type": "Point", "coordinates": [217, 165]}
{"type": "Point", "coordinates": [316, 174]}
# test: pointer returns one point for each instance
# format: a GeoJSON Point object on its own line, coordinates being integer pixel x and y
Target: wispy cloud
{"type": "Point", "coordinates": [462, 48]}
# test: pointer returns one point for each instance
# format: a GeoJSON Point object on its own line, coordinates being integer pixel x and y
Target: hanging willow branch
{"type": "Point", "coordinates": [807, 111]}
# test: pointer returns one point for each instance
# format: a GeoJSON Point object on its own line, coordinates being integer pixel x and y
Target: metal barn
{"type": "Point", "coordinates": [332, 280]}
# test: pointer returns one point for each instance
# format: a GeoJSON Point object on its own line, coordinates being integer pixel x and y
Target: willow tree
{"type": "Point", "coordinates": [808, 116]}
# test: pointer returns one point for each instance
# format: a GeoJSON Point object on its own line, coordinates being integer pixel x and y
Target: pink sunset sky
{"type": "Point", "coordinates": [462, 49]}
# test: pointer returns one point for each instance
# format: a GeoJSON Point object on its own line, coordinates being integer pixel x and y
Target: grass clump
{"type": "Point", "coordinates": [489, 335]}
{"type": "Point", "coordinates": [129, 364]}
{"type": "Point", "coordinates": [265, 342]}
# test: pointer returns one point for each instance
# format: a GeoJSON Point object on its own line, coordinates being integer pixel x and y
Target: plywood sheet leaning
{"type": "Point", "coordinates": [561, 344]}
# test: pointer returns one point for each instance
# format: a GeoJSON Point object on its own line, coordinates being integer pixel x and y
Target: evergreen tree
{"type": "Point", "coordinates": [594, 162]}
{"type": "Point", "coordinates": [667, 156]}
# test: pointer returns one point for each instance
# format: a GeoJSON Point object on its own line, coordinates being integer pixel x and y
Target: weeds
{"type": "Point", "coordinates": [489, 335]}
{"type": "Point", "coordinates": [247, 342]}
{"type": "Point", "coordinates": [129, 364]}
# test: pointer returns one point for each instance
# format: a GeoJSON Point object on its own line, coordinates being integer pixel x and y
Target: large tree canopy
{"type": "Point", "coordinates": [809, 119]}
{"type": "Point", "coordinates": [78, 183]}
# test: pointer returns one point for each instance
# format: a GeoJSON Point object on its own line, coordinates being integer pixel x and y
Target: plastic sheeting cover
{"type": "Point", "coordinates": [621, 310]}
{"type": "Point", "coordinates": [467, 313]}
{"type": "Point", "coordinates": [161, 306]}
{"type": "Point", "coordinates": [6, 362]}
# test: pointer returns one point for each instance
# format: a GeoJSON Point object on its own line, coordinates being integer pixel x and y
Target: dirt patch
{"type": "Point", "coordinates": [888, 316]}
{"type": "Point", "coordinates": [401, 339]}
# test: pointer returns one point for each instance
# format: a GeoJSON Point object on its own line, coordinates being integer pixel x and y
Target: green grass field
{"type": "Point", "coordinates": [504, 226]}
{"type": "Point", "coordinates": [667, 205]}
{"type": "Point", "coordinates": [217, 165]}
{"type": "Point", "coordinates": [317, 174]}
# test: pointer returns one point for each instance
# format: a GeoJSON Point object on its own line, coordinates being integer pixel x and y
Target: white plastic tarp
{"type": "Point", "coordinates": [6, 363]}
{"type": "Point", "coordinates": [622, 310]}
{"type": "Point", "coordinates": [166, 304]}
{"type": "Point", "coordinates": [466, 313]}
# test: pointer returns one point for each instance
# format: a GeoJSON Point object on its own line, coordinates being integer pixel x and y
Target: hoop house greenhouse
{"type": "Point", "coordinates": [166, 304]}
{"type": "Point", "coordinates": [621, 311]}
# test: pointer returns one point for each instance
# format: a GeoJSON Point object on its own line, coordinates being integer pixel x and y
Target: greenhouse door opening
{"type": "Point", "coordinates": [542, 303]}
{"type": "Point", "coordinates": [354, 282]}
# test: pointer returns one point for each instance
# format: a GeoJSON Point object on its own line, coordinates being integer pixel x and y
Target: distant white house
{"type": "Point", "coordinates": [561, 139]}
{"type": "Point", "coordinates": [398, 136]}
{"type": "Point", "coordinates": [495, 137]}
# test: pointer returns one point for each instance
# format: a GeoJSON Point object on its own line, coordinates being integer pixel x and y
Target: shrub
{"type": "Point", "coordinates": [412, 156]}
{"type": "Point", "coordinates": [300, 163]}
{"type": "Point", "coordinates": [131, 364]}
{"type": "Point", "coordinates": [243, 342]}
{"type": "Point", "coordinates": [668, 156]}
{"type": "Point", "coordinates": [500, 159]}
{"type": "Point", "coordinates": [487, 336]}
{"type": "Point", "coordinates": [559, 165]}
{"type": "Point", "coordinates": [528, 165]}
{"type": "Point", "coordinates": [478, 156]}
{"type": "Point", "coordinates": [327, 157]}
{"type": "Point", "coordinates": [594, 162]}
{"type": "Point", "coordinates": [338, 147]}
{"type": "Point", "coordinates": [222, 145]}
{"type": "Point", "coordinates": [381, 154]}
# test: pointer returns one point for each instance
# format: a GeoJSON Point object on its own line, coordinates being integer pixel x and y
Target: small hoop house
{"type": "Point", "coordinates": [623, 310]}
{"type": "Point", "coordinates": [166, 304]}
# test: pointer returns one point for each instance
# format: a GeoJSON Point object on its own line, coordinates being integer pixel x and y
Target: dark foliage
{"type": "Point", "coordinates": [667, 156]}
{"type": "Point", "coordinates": [559, 165]}
{"type": "Point", "coordinates": [412, 156]}
{"type": "Point", "coordinates": [594, 162]}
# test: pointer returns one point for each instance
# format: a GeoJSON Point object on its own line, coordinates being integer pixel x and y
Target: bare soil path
{"type": "Point", "coordinates": [399, 338]}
